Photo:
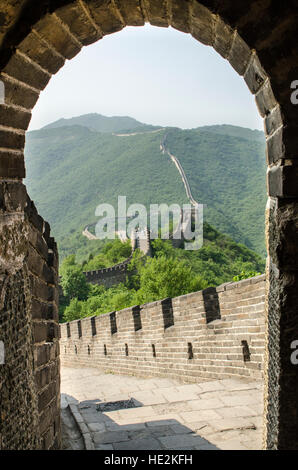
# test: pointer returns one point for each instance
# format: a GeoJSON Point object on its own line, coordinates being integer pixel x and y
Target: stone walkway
{"type": "Point", "coordinates": [221, 414]}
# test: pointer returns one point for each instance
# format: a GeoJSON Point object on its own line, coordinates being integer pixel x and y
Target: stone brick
{"type": "Point", "coordinates": [13, 196]}
{"type": "Point", "coordinates": [37, 241]}
{"type": "Point", "coordinates": [282, 181]}
{"type": "Point", "coordinates": [239, 55]}
{"type": "Point", "coordinates": [43, 311]}
{"type": "Point", "coordinates": [255, 76]}
{"type": "Point", "coordinates": [80, 25]}
{"type": "Point", "coordinates": [24, 71]}
{"type": "Point", "coordinates": [282, 144]}
{"type": "Point", "coordinates": [131, 12]}
{"type": "Point", "coordinates": [34, 218]}
{"type": "Point", "coordinates": [157, 12]}
{"type": "Point", "coordinates": [38, 51]}
{"type": "Point", "coordinates": [180, 15]}
{"type": "Point", "coordinates": [104, 15]}
{"type": "Point", "coordinates": [42, 355]}
{"type": "Point", "coordinates": [46, 396]}
{"type": "Point", "coordinates": [224, 36]}
{"type": "Point", "coordinates": [283, 217]}
{"type": "Point", "coordinates": [40, 332]}
{"type": "Point", "coordinates": [11, 165]}
{"type": "Point", "coordinates": [19, 94]}
{"type": "Point", "coordinates": [40, 290]}
{"type": "Point", "coordinates": [273, 120]}
{"type": "Point", "coordinates": [15, 118]}
{"type": "Point", "coordinates": [12, 140]}
{"type": "Point", "coordinates": [202, 23]}
{"type": "Point", "coordinates": [265, 100]}
{"type": "Point", "coordinates": [50, 29]}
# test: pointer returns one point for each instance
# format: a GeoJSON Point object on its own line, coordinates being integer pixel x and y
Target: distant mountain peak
{"type": "Point", "coordinates": [98, 122]}
{"type": "Point", "coordinates": [234, 131]}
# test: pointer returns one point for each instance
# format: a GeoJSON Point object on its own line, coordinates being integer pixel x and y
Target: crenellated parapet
{"type": "Point", "coordinates": [214, 333]}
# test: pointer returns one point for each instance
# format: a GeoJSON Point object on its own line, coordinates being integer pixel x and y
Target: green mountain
{"type": "Point", "coordinates": [235, 131]}
{"type": "Point", "coordinates": [99, 123]}
{"type": "Point", "coordinates": [74, 165]}
{"type": "Point", "coordinates": [227, 174]}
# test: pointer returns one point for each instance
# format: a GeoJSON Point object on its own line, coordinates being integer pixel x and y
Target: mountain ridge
{"type": "Point", "coordinates": [71, 169]}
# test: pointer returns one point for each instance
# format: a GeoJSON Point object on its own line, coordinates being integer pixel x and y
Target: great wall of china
{"type": "Point", "coordinates": [211, 334]}
{"type": "Point", "coordinates": [118, 273]}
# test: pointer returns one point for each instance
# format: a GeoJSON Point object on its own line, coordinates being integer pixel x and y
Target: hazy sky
{"type": "Point", "coordinates": [158, 76]}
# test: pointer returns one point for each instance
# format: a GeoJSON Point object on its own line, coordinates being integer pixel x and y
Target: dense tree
{"type": "Point", "coordinates": [163, 277]}
{"type": "Point", "coordinates": [74, 283]}
{"type": "Point", "coordinates": [170, 273]}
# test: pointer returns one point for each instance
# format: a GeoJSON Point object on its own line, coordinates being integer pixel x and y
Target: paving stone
{"type": "Point", "coordinates": [257, 408]}
{"type": "Point", "coordinates": [192, 416]}
{"type": "Point", "coordinates": [125, 427]}
{"type": "Point", "coordinates": [203, 404]}
{"type": "Point", "coordinates": [94, 416]}
{"type": "Point", "coordinates": [158, 431]}
{"type": "Point", "coordinates": [136, 412]}
{"type": "Point", "coordinates": [173, 416]}
{"type": "Point", "coordinates": [232, 444]}
{"type": "Point", "coordinates": [180, 441]}
{"type": "Point", "coordinates": [148, 398]}
{"type": "Point", "coordinates": [96, 427]}
{"type": "Point", "coordinates": [175, 395]}
{"type": "Point", "coordinates": [207, 446]}
{"type": "Point", "coordinates": [177, 407]}
{"type": "Point", "coordinates": [233, 400]}
{"type": "Point", "coordinates": [138, 444]}
{"type": "Point", "coordinates": [179, 448]}
{"type": "Point", "coordinates": [103, 447]}
{"type": "Point", "coordinates": [109, 437]}
{"type": "Point", "coordinates": [164, 420]}
{"type": "Point", "coordinates": [233, 384]}
{"type": "Point", "coordinates": [78, 417]}
{"type": "Point", "coordinates": [180, 429]}
{"type": "Point", "coordinates": [84, 429]}
{"type": "Point", "coordinates": [89, 444]}
{"type": "Point", "coordinates": [203, 430]}
{"type": "Point", "coordinates": [140, 434]}
{"type": "Point", "coordinates": [233, 423]}
{"type": "Point", "coordinates": [194, 388]}
{"type": "Point", "coordinates": [253, 444]}
{"type": "Point", "coordinates": [235, 411]}
{"type": "Point", "coordinates": [213, 386]}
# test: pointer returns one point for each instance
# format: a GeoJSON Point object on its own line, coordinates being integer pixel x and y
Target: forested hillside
{"type": "Point", "coordinates": [227, 174]}
{"type": "Point", "coordinates": [76, 164]}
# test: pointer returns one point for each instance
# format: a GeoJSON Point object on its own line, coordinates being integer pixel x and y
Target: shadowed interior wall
{"type": "Point", "coordinates": [29, 377]}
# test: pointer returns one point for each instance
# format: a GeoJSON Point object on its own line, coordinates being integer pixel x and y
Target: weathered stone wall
{"type": "Point", "coordinates": [109, 277]}
{"type": "Point", "coordinates": [210, 334]}
{"type": "Point", "coordinates": [119, 273]}
{"type": "Point", "coordinates": [29, 377]}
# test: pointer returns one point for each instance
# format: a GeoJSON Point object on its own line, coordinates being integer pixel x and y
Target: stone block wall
{"type": "Point", "coordinates": [109, 277]}
{"type": "Point", "coordinates": [215, 333]}
{"type": "Point", "coordinates": [29, 376]}
{"type": "Point", "coordinates": [118, 273]}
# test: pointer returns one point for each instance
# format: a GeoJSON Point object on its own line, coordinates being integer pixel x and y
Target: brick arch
{"type": "Point", "coordinates": [258, 38]}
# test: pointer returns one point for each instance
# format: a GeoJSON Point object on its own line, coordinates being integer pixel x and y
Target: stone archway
{"type": "Point", "coordinates": [258, 38]}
